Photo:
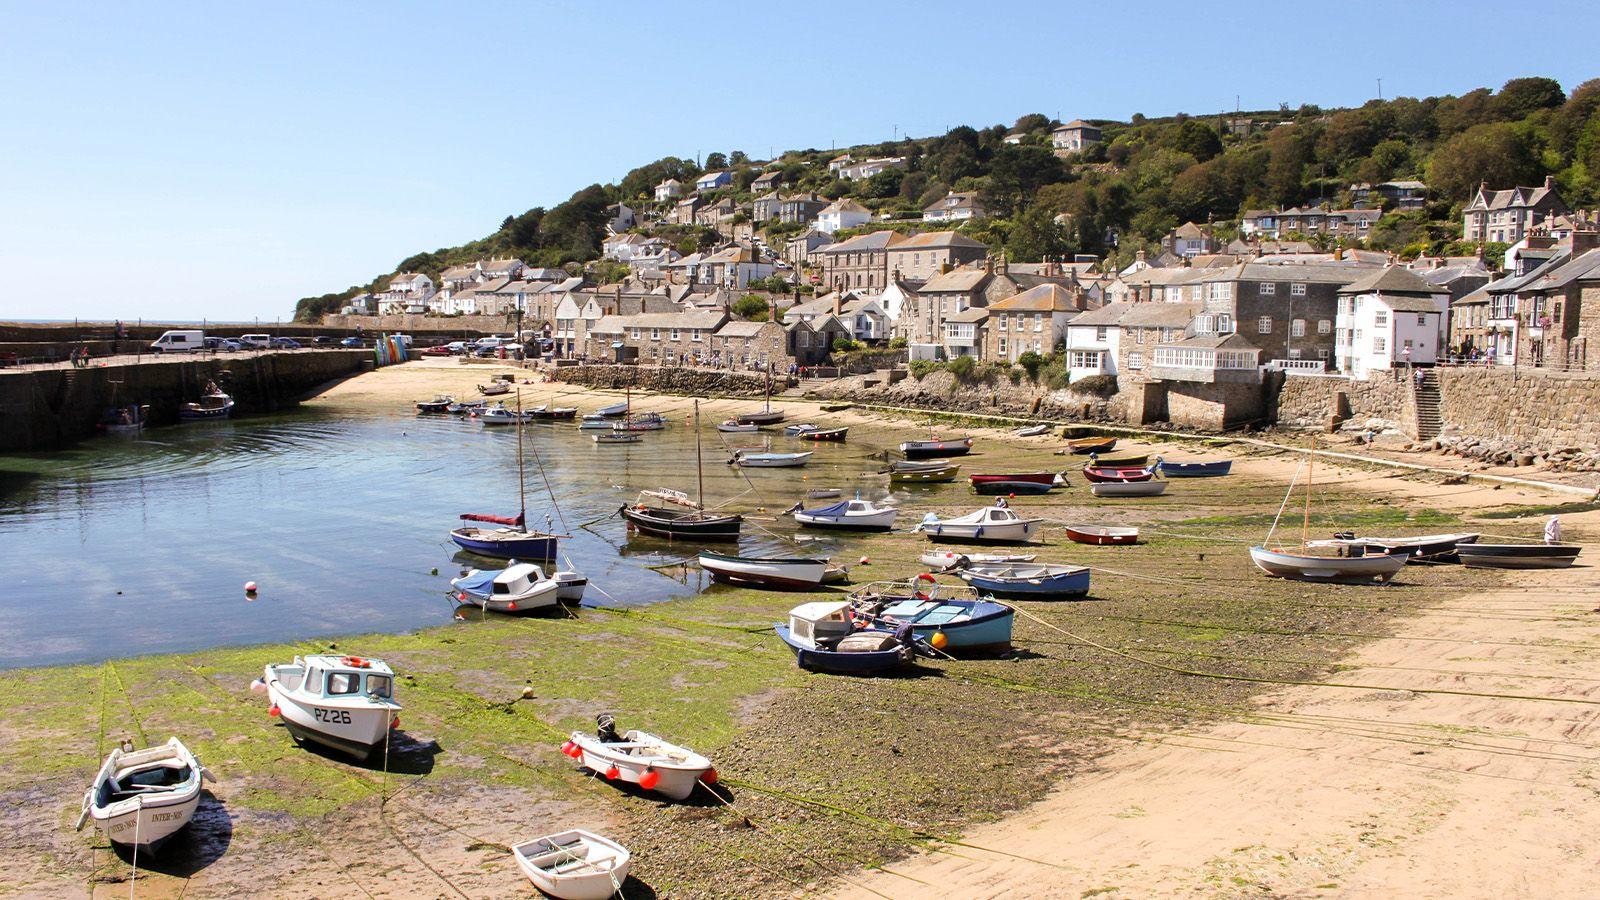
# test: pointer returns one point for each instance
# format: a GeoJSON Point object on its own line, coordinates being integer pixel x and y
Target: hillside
{"type": "Point", "coordinates": [1124, 194]}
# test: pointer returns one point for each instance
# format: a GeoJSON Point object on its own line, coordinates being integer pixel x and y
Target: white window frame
{"type": "Point", "coordinates": [1268, 288]}
{"type": "Point", "coordinates": [1264, 325]}
{"type": "Point", "coordinates": [1324, 326]}
{"type": "Point", "coordinates": [1297, 328]}
{"type": "Point", "coordinates": [1298, 289]}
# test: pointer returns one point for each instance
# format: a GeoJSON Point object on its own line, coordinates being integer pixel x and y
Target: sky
{"type": "Point", "coordinates": [221, 160]}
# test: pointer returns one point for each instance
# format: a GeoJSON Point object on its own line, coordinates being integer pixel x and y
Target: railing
{"type": "Point", "coordinates": [1296, 365]}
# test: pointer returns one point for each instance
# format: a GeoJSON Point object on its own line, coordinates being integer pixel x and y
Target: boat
{"type": "Point", "coordinates": [641, 758]}
{"type": "Point", "coordinates": [848, 515]}
{"type": "Point", "coordinates": [440, 403]}
{"type": "Point", "coordinates": [689, 521]}
{"type": "Point", "coordinates": [766, 415]}
{"type": "Point", "coordinates": [617, 437]}
{"type": "Point", "coordinates": [1094, 472]}
{"type": "Point", "coordinates": [825, 434]}
{"type": "Point", "coordinates": [513, 540]}
{"type": "Point", "coordinates": [1129, 488]}
{"type": "Point", "coordinates": [1031, 581]}
{"type": "Point", "coordinates": [1438, 548]}
{"type": "Point", "coordinates": [1044, 478]}
{"type": "Point", "coordinates": [494, 388]}
{"type": "Point", "coordinates": [1032, 431]}
{"type": "Point", "coordinates": [465, 407]}
{"type": "Point", "coordinates": [615, 411]}
{"type": "Point", "coordinates": [961, 620]}
{"type": "Point", "coordinates": [518, 588]}
{"type": "Point", "coordinates": [823, 493]}
{"type": "Point", "coordinates": [1196, 469]}
{"type": "Point", "coordinates": [764, 571]}
{"type": "Point", "coordinates": [548, 413]}
{"type": "Point", "coordinates": [1091, 444]}
{"type": "Point", "coordinates": [998, 524]}
{"type": "Point", "coordinates": [797, 429]}
{"type": "Point", "coordinates": [733, 427]}
{"type": "Point", "coordinates": [760, 460]}
{"type": "Point", "coordinates": [574, 865]}
{"type": "Point", "coordinates": [824, 636]}
{"type": "Point", "coordinates": [1518, 556]}
{"type": "Point", "coordinates": [498, 414]}
{"type": "Point", "coordinates": [214, 405]}
{"type": "Point", "coordinates": [932, 449]}
{"type": "Point", "coordinates": [938, 471]}
{"type": "Point", "coordinates": [141, 798]}
{"type": "Point", "coordinates": [836, 407]}
{"type": "Point", "coordinates": [1129, 461]}
{"type": "Point", "coordinates": [949, 560]}
{"type": "Point", "coordinates": [1103, 535]}
{"type": "Point", "coordinates": [1303, 565]}
{"type": "Point", "coordinates": [596, 423]}
{"type": "Point", "coordinates": [649, 421]}
{"type": "Point", "coordinates": [127, 419]}
{"type": "Point", "coordinates": [1011, 489]}
{"type": "Point", "coordinates": [344, 703]}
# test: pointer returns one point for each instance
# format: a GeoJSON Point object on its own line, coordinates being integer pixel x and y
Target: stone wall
{"type": "Point", "coordinates": [994, 395]}
{"type": "Point", "coordinates": [667, 380]}
{"type": "Point", "coordinates": [51, 407]}
{"type": "Point", "coordinates": [1383, 404]}
{"type": "Point", "coordinates": [1540, 409]}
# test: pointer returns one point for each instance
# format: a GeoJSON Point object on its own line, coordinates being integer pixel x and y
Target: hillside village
{"type": "Point", "coordinates": [803, 262]}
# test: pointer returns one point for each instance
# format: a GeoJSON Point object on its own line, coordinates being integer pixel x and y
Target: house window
{"type": "Point", "coordinates": [1100, 334]}
{"type": "Point", "coordinates": [1268, 288]}
{"type": "Point", "coordinates": [1264, 325]}
{"type": "Point", "coordinates": [1003, 320]}
{"type": "Point", "coordinates": [1380, 318]}
{"type": "Point", "coordinates": [1038, 321]}
{"type": "Point", "coordinates": [1135, 361]}
{"type": "Point", "coordinates": [1002, 346]}
{"type": "Point", "coordinates": [695, 336]}
{"type": "Point", "coordinates": [655, 334]}
{"type": "Point", "coordinates": [1422, 319]}
{"type": "Point", "coordinates": [1138, 335]}
{"type": "Point", "coordinates": [676, 335]}
{"type": "Point", "coordinates": [1297, 328]}
{"type": "Point", "coordinates": [1380, 344]}
{"type": "Point", "coordinates": [1322, 353]}
{"type": "Point", "coordinates": [1324, 326]}
{"type": "Point", "coordinates": [1298, 289]}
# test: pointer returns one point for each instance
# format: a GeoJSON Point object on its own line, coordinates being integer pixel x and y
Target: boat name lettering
{"type": "Point", "coordinates": [334, 716]}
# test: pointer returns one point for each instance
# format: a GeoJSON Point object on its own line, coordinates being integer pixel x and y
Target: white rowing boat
{"type": "Point", "coordinates": [141, 798]}
{"type": "Point", "coordinates": [574, 865]}
{"type": "Point", "coordinates": [638, 757]}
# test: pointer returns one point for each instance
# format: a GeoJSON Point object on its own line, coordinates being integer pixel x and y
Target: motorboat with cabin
{"type": "Point", "coordinates": [518, 588]}
{"type": "Point", "coordinates": [211, 407]}
{"type": "Point", "coordinates": [825, 636]}
{"type": "Point", "coordinates": [848, 515]}
{"type": "Point", "coordinates": [344, 703]}
{"type": "Point", "coordinates": [946, 618]}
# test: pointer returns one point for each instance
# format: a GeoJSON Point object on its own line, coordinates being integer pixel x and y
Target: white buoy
{"type": "Point", "coordinates": [249, 587]}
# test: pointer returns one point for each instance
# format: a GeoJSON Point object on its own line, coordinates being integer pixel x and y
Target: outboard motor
{"type": "Point", "coordinates": [607, 730]}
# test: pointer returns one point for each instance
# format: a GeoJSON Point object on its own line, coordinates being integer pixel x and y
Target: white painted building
{"type": "Point", "coordinates": [1389, 319]}
{"type": "Point", "coordinates": [1093, 340]}
{"type": "Point", "coordinates": [842, 214]}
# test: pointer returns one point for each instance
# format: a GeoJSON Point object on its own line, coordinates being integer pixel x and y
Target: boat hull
{"type": "Point", "coordinates": [146, 821]}
{"type": "Point", "coordinates": [544, 595]}
{"type": "Point", "coordinates": [1326, 568]}
{"type": "Point", "coordinates": [1108, 537]}
{"type": "Point", "coordinates": [772, 460]}
{"type": "Point", "coordinates": [784, 573]}
{"type": "Point", "coordinates": [1105, 475]}
{"type": "Point", "coordinates": [770, 417]}
{"type": "Point", "coordinates": [1197, 469]}
{"type": "Point", "coordinates": [989, 628]}
{"type": "Point", "coordinates": [666, 524]}
{"type": "Point", "coordinates": [929, 476]}
{"type": "Point", "coordinates": [483, 543]}
{"type": "Point", "coordinates": [1044, 478]}
{"type": "Point", "coordinates": [191, 412]}
{"type": "Point", "coordinates": [1091, 445]}
{"type": "Point", "coordinates": [1044, 587]}
{"type": "Point", "coordinates": [676, 778]}
{"type": "Point", "coordinates": [1518, 556]}
{"type": "Point", "coordinates": [1008, 488]}
{"type": "Point", "coordinates": [1002, 533]}
{"type": "Point", "coordinates": [867, 663]}
{"type": "Point", "coordinates": [1129, 489]}
{"type": "Point", "coordinates": [935, 449]}
{"type": "Point", "coordinates": [825, 434]}
{"type": "Point", "coordinates": [357, 733]}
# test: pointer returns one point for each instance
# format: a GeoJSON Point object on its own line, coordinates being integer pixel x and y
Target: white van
{"type": "Point", "coordinates": [255, 341]}
{"type": "Point", "coordinates": [179, 342]}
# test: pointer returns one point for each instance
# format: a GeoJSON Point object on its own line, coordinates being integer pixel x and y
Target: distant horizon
{"type": "Point", "coordinates": [221, 166]}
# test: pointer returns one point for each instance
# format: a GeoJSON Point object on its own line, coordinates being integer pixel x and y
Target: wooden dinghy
{"type": "Point", "coordinates": [1518, 556]}
{"type": "Point", "coordinates": [1214, 469]}
{"type": "Point", "coordinates": [937, 471]}
{"type": "Point", "coordinates": [617, 437]}
{"type": "Point", "coordinates": [1129, 488]}
{"type": "Point", "coordinates": [950, 560]}
{"type": "Point", "coordinates": [1308, 567]}
{"type": "Point", "coordinates": [1028, 581]}
{"type": "Point", "coordinates": [1103, 535]}
{"type": "Point", "coordinates": [637, 757]}
{"type": "Point", "coordinates": [731, 426]}
{"type": "Point", "coordinates": [1091, 445]}
{"type": "Point", "coordinates": [574, 865]}
{"type": "Point", "coordinates": [141, 798]}
{"type": "Point", "coordinates": [936, 448]}
{"type": "Point", "coordinates": [764, 571]}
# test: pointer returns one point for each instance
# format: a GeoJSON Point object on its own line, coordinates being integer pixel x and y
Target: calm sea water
{"type": "Point", "coordinates": [125, 545]}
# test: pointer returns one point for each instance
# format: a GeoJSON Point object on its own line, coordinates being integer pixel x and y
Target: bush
{"type": "Point", "coordinates": [961, 367]}
{"type": "Point", "coordinates": [845, 345]}
{"type": "Point", "coordinates": [1097, 385]}
{"type": "Point", "coordinates": [922, 368]}
{"type": "Point", "coordinates": [752, 307]}
{"type": "Point", "coordinates": [898, 343]}
{"type": "Point", "coordinates": [1031, 363]}
{"type": "Point", "coordinates": [1015, 374]}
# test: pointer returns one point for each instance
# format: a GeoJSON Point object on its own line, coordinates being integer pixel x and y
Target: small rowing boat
{"type": "Point", "coordinates": [1011, 489]}
{"type": "Point", "coordinates": [1044, 478]}
{"type": "Point", "coordinates": [1306, 567]}
{"type": "Point", "coordinates": [574, 865]}
{"type": "Point", "coordinates": [495, 389]}
{"type": "Point", "coordinates": [1032, 431]}
{"type": "Point", "coordinates": [1091, 445]}
{"type": "Point", "coordinates": [1518, 556]}
{"type": "Point", "coordinates": [615, 411]}
{"type": "Point", "coordinates": [1030, 581]}
{"type": "Point", "coordinates": [1197, 469]}
{"type": "Point", "coordinates": [1129, 488]}
{"type": "Point", "coordinates": [936, 448]}
{"type": "Point", "coordinates": [824, 434]}
{"type": "Point", "coordinates": [1095, 472]}
{"type": "Point", "coordinates": [617, 437]}
{"type": "Point", "coordinates": [948, 560]}
{"type": "Point", "coordinates": [1103, 535]}
{"type": "Point", "coordinates": [760, 460]}
{"type": "Point", "coordinates": [1423, 548]}
{"type": "Point", "coordinates": [732, 426]}
{"type": "Point", "coordinates": [141, 798]}
{"type": "Point", "coordinates": [764, 571]}
{"type": "Point", "coordinates": [946, 618]}
{"type": "Point", "coordinates": [936, 471]}
{"type": "Point", "coordinates": [637, 757]}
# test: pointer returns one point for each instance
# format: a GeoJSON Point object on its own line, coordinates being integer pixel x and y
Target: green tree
{"type": "Point", "coordinates": [1288, 153]}
{"type": "Point", "coordinates": [1522, 97]}
{"type": "Point", "coordinates": [883, 185]}
{"type": "Point", "coordinates": [1496, 154]}
{"type": "Point", "coordinates": [715, 161]}
{"type": "Point", "coordinates": [1193, 137]}
{"type": "Point", "coordinates": [752, 307]}
{"type": "Point", "coordinates": [1016, 172]}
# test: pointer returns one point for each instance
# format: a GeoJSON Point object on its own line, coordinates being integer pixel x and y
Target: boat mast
{"type": "Point", "coordinates": [769, 386]}
{"type": "Point", "coordinates": [522, 489]}
{"type": "Point", "coordinates": [699, 471]}
{"type": "Point", "coordinates": [1311, 479]}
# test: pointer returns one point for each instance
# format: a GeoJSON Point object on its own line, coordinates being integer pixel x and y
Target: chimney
{"type": "Point", "coordinates": [1584, 240]}
{"type": "Point", "coordinates": [1549, 182]}
{"type": "Point", "coordinates": [1003, 266]}
{"type": "Point", "coordinates": [838, 304]}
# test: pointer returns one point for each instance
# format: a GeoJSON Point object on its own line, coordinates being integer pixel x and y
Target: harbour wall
{"type": "Point", "coordinates": [665, 380]}
{"type": "Point", "coordinates": [457, 326]}
{"type": "Point", "coordinates": [51, 407]}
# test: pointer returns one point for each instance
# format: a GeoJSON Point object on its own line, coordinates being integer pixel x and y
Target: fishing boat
{"type": "Point", "coordinates": [1096, 473]}
{"type": "Point", "coordinates": [344, 703]}
{"type": "Point", "coordinates": [848, 515]}
{"type": "Point", "coordinates": [641, 758]}
{"type": "Point", "coordinates": [939, 471]}
{"type": "Point", "coordinates": [836, 407]}
{"type": "Point", "coordinates": [618, 437]}
{"type": "Point", "coordinates": [513, 540]}
{"type": "Point", "coordinates": [950, 560]}
{"type": "Point", "coordinates": [946, 618]}
{"type": "Point", "coordinates": [1197, 469]}
{"type": "Point", "coordinates": [824, 434]}
{"type": "Point", "coordinates": [141, 798]}
{"type": "Point", "coordinates": [594, 422]}
{"type": "Point", "coordinates": [1129, 488]}
{"type": "Point", "coordinates": [494, 388]}
{"type": "Point", "coordinates": [574, 865]}
{"type": "Point", "coordinates": [128, 419]}
{"type": "Point", "coordinates": [548, 413]}
{"type": "Point", "coordinates": [440, 403]}
{"type": "Point", "coordinates": [1422, 548]}
{"type": "Point", "coordinates": [998, 524]}
{"type": "Point", "coordinates": [731, 426]}
{"type": "Point", "coordinates": [615, 411]}
{"type": "Point", "coordinates": [1091, 445]}
{"type": "Point", "coordinates": [1304, 565]}
{"type": "Point", "coordinates": [465, 407]}
{"type": "Point", "coordinates": [766, 415]}
{"type": "Point", "coordinates": [1032, 431]}
{"type": "Point", "coordinates": [518, 588]}
{"type": "Point", "coordinates": [1103, 535]}
{"type": "Point", "coordinates": [763, 571]}
{"type": "Point", "coordinates": [498, 414]}
{"type": "Point", "coordinates": [761, 460]}
{"type": "Point", "coordinates": [799, 428]}
{"type": "Point", "coordinates": [1028, 581]}
{"type": "Point", "coordinates": [687, 519]}
{"type": "Point", "coordinates": [1518, 556]}
{"type": "Point", "coordinates": [932, 449]}
{"type": "Point", "coordinates": [825, 636]}
{"type": "Point", "coordinates": [214, 405]}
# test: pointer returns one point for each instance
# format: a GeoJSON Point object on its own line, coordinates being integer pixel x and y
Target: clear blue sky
{"type": "Point", "coordinates": [221, 160]}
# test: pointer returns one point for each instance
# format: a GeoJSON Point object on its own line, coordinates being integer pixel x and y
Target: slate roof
{"type": "Point", "coordinates": [1389, 281]}
{"type": "Point", "coordinates": [1044, 298]}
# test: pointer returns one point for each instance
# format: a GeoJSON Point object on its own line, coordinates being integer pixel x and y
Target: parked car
{"type": "Point", "coordinates": [350, 342]}
{"type": "Point", "coordinates": [255, 341]}
{"type": "Point", "coordinates": [456, 346]}
{"type": "Point", "coordinates": [440, 350]}
{"type": "Point", "coordinates": [322, 339]}
{"type": "Point", "coordinates": [221, 344]}
{"type": "Point", "coordinates": [283, 343]}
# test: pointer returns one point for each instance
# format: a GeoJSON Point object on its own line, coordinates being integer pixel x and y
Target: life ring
{"type": "Point", "coordinates": [917, 593]}
{"type": "Point", "coordinates": [355, 662]}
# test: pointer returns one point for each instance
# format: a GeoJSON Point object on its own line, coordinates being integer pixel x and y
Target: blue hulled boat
{"type": "Point", "coordinates": [960, 622]}
{"type": "Point", "coordinates": [1032, 581]}
{"type": "Point", "coordinates": [1196, 469]}
{"type": "Point", "coordinates": [512, 541]}
{"type": "Point", "coordinates": [825, 636]}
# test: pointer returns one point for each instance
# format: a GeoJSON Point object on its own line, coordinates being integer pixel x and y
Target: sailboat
{"type": "Point", "coordinates": [767, 416]}
{"type": "Point", "coordinates": [1306, 566]}
{"type": "Point", "coordinates": [690, 520]}
{"type": "Point", "coordinates": [513, 540]}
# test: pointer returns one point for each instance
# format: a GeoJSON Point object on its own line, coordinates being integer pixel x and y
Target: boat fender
{"type": "Point", "coordinates": [355, 662]}
{"type": "Point", "coordinates": [709, 778]}
{"type": "Point", "coordinates": [650, 778]}
{"type": "Point", "coordinates": [613, 773]}
{"type": "Point", "coordinates": [939, 641]}
{"type": "Point", "coordinates": [979, 532]}
{"type": "Point", "coordinates": [273, 711]}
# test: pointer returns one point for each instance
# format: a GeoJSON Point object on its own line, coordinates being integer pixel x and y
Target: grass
{"type": "Point", "coordinates": [1552, 509]}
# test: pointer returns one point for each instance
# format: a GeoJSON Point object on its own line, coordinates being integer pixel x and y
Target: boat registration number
{"type": "Point", "coordinates": [333, 716]}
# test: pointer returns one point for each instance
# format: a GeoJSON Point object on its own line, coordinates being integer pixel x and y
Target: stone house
{"type": "Point", "coordinates": [863, 318]}
{"type": "Point", "coordinates": [1469, 324]}
{"type": "Point", "coordinates": [800, 249]}
{"type": "Point", "coordinates": [1074, 137]}
{"type": "Point", "coordinates": [955, 207]}
{"type": "Point", "coordinates": [764, 207]}
{"type": "Point", "coordinates": [670, 338]}
{"type": "Point", "coordinates": [801, 208]}
{"type": "Point", "coordinates": [732, 267]}
{"type": "Point", "coordinates": [1144, 326]}
{"type": "Point", "coordinates": [1034, 320]}
{"type": "Point", "coordinates": [1551, 311]}
{"type": "Point", "coordinates": [1510, 215]}
{"type": "Point", "coordinates": [767, 181]}
{"type": "Point", "coordinates": [1286, 311]}
{"type": "Point", "coordinates": [683, 212]}
{"type": "Point", "coordinates": [922, 256]}
{"type": "Point", "coordinates": [739, 344]}
{"type": "Point", "coordinates": [860, 263]}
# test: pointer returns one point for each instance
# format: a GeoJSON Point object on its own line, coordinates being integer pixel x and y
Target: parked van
{"type": "Point", "coordinates": [255, 341]}
{"type": "Point", "coordinates": [179, 342]}
{"type": "Point", "coordinates": [404, 339]}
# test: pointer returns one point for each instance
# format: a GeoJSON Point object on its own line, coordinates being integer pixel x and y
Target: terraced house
{"type": "Point", "coordinates": [676, 338]}
{"type": "Point", "coordinates": [1510, 215]}
{"type": "Point", "coordinates": [860, 263]}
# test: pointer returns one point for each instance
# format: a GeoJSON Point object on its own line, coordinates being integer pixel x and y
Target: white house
{"type": "Point", "coordinates": [1093, 340]}
{"type": "Point", "coordinates": [855, 171]}
{"type": "Point", "coordinates": [955, 207]}
{"type": "Point", "coordinates": [733, 267]}
{"type": "Point", "coordinates": [406, 292]}
{"type": "Point", "coordinates": [620, 217]}
{"type": "Point", "coordinates": [1389, 319]}
{"type": "Point", "coordinates": [670, 189]}
{"type": "Point", "coordinates": [842, 214]}
{"type": "Point", "coordinates": [894, 300]}
{"type": "Point", "coordinates": [710, 181]}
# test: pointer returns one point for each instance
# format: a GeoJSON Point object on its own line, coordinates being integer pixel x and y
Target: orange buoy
{"type": "Point", "coordinates": [939, 641]}
{"type": "Point", "coordinates": [613, 773]}
{"type": "Point", "coordinates": [273, 711]}
{"type": "Point", "coordinates": [710, 777]}
{"type": "Point", "coordinates": [650, 778]}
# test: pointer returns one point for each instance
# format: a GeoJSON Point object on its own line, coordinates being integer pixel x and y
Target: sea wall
{"type": "Point", "coordinates": [992, 395]}
{"type": "Point", "coordinates": [51, 407]}
{"type": "Point", "coordinates": [1382, 404]}
{"type": "Point", "coordinates": [684, 382]}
